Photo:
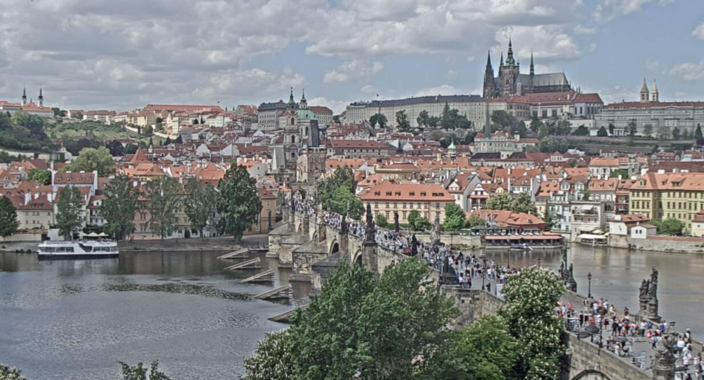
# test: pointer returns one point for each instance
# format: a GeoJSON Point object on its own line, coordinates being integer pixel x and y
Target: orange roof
{"type": "Point", "coordinates": [406, 191]}
{"type": "Point", "coordinates": [602, 161]}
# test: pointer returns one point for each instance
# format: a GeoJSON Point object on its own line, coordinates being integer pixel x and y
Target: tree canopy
{"type": "Point", "coordinates": [454, 217]}
{"type": "Point", "coordinates": [417, 222]}
{"type": "Point", "coordinates": [139, 372]}
{"type": "Point", "coordinates": [361, 326]}
{"type": "Point", "coordinates": [7, 373]}
{"type": "Point", "coordinates": [8, 217]}
{"type": "Point", "coordinates": [199, 203]}
{"type": "Point", "coordinates": [380, 118]}
{"type": "Point", "coordinates": [402, 122]}
{"type": "Point", "coordinates": [518, 204]}
{"type": "Point", "coordinates": [91, 159]}
{"type": "Point", "coordinates": [69, 211]}
{"type": "Point", "coordinates": [239, 204]}
{"type": "Point", "coordinates": [43, 177]}
{"type": "Point", "coordinates": [164, 197]}
{"type": "Point", "coordinates": [529, 312]}
{"type": "Point", "coordinates": [119, 206]}
{"type": "Point", "coordinates": [669, 226]}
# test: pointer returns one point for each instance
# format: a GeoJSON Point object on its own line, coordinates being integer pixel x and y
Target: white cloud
{"type": "Point", "coordinates": [608, 10]}
{"type": "Point", "coordinates": [653, 66]}
{"type": "Point", "coordinates": [689, 71]}
{"type": "Point", "coordinates": [337, 106]}
{"type": "Point", "coordinates": [583, 30]}
{"type": "Point", "coordinates": [546, 43]}
{"type": "Point", "coordinates": [445, 89]}
{"type": "Point", "coordinates": [352, 71]}
{"type": "Point", "coordinates": [451, 74]}
{"type": "Point", "coordinates": [698, 32]}
{"type": "Point", "coordinates": [618, 93]}
{"type": "Point", "coordinates": [592, 48]}
{"type": "Point", "coordinates": [471, 58]}
{"type": "Point", "coordinates": [369, 89]}
{"type": "Point", "coordinates": [666, 2]}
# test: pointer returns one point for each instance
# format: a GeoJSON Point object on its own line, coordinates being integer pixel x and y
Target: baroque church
{"type": "Point", "coordinates": [510, 82]}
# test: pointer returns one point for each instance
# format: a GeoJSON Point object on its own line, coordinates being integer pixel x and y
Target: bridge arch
{"type": "Point", "coordinates": [357, 258]}
{"type": "Point", "coordinates": [334, 248]}
{"type": "Point", "coordinates": [591, 374]}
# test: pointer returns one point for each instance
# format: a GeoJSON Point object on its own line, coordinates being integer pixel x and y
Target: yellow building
{"type": "Point", "coordinates": [389, 197]}
{"type": "Point", "coordinates": [661, 196]}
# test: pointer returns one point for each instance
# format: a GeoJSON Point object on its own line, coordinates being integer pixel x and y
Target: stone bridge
{"type": "Point", "coordinates": [313, 248]}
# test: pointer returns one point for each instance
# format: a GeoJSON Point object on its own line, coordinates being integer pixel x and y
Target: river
{"type": "Point", "coordinates": [76, 319]}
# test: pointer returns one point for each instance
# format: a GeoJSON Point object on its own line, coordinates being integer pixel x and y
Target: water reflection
{"type": "Point", "coordinates": [76, 319]}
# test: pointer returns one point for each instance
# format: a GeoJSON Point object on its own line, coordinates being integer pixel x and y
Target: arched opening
{"type": "Point", "coordinates": [335, 248]}
{"type": "Point", "coordinates": [358, 259]}
{"type": "Point", "coordinates": [293, 139]}
{"type": "Point", "coordinates": [293, 121]}
{"type": "Point", "coordinates": [591, 374]}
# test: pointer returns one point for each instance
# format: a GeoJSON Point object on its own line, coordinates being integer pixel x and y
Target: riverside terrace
{"type": "Point", "coordinates": [314, 251]}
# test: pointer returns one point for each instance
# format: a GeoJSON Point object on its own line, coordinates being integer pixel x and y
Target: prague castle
{"type": "Point", "coordinates": [511, 82]}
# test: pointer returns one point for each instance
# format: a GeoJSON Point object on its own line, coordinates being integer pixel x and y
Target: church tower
{"type": "Point", "coordinates": [532, 65]}
{"type": "Point", "coordinates": [489, 85]}
{"type": "Point", "coordinates": [508, 74]}
{"type": "Point", "coordinates": [303, 104]}
{"type": "Point", "coordinates": [655, 93]}
{"type": "Point", "coordinates": [24, 97]}
{"type": "Point", "coordinates": [644, 94]}
{"type": "Point", "coordinates": [41, 98]}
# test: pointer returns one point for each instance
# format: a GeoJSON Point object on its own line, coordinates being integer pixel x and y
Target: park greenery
{"type": "Point", "coordinates": [140, 372]}
{"type": "Point", "coordinates": [395, 326]}
{"type": "Point", "coordinates": [337, 193]}
{"type": "Point", "coordinates": [417, 222]}
{"type": "Point", "coordinates": [238, 203]}
{"type": "Point", "coordinates": [475, 220]}
{"type": "Point", "coordinates": [8, 217]}
{"type": "Point", "coordinates": [164, 198]}
{"type": "Point", "coordinates": [518, 204]}
{"type": "Point", "coordinates": [200, 203]}
{"type": "Point", "coordinates": [454, 217]}
{"type": "Point", "coordinates": [69, 217]}
{"type": "Point", "coordinates": [42, 177]}
{"type": "Point", "coordinates": [24, 132]}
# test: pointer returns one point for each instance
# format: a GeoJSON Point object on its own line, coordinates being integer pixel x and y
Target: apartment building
{"type": "Point", "coordinates": [389, 197]}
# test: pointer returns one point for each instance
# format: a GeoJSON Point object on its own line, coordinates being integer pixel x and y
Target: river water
{"type": "Point", "coordinates": [76, 319]}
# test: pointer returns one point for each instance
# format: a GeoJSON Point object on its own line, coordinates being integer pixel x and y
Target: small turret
{"type": "Point", "coordinates": [532, 65]}
{"type": "Point", "coordinates": [41, 98]}
{"type": "Point", "coordinates": [291, 101]}
{"type": "Point", "coordinates": [655, 94]}
{"type": "Point", "coordinates": [303, 104]}
{"type": "Point", "coordinates": [24, 96]}
{"type": "Point", "coordinates": [644, 94]}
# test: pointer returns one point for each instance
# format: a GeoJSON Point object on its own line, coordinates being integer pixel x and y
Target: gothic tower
{"type": "Point", "coordinates": [508, 74]}
{"type": "Point", "coordinates": [655, 94]}
{"type": "Point", "coordinates": [644, 94]}
{"type": "Point", "coordinates": [41, 98]}
{"type": "Point", "coordinates": [24, 97]}
{"type": "Point", "coordinates": [532, 65]}
{"type": "Point", "coordinates": [489, 85]}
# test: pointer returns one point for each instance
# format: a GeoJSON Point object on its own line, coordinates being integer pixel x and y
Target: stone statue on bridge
{"type": "Point", "coordinates": [414, 246]}
{"type": "Point", "coordinates": [663, 362]}
{"type": "Point", "coordinates": [435, 235]}
{"type": "Point", "coordinates": [370, 230]}
{"type": "Point", "coordinates": [648, 297]}
{"type": "Point", "coordinates": [397, 226]}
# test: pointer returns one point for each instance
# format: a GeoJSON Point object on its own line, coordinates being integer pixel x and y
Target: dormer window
{"type": "Point", "coordinates": [423, 194]}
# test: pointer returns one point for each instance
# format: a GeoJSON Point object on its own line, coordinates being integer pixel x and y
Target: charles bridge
{"type": "Point", "coordinates": [314, 243]}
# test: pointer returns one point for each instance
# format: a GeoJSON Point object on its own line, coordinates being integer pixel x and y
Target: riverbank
{"type": "Point", "coordinates": [225, 243]}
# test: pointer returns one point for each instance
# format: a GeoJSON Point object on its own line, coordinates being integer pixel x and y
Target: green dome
{"type": "Point", "coordinates": [306, 115]}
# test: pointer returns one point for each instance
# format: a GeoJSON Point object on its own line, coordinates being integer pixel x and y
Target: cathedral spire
{"type": "Point", "coordinates": [24, 96]}
{"type": "Point", "coordinates": [509, 57]}
{"type": "Point", "coordinates": [488, 60]}
{"type": "Point", "coordinates": [532, 65]}
{"type": "Point", "coordinates": [502, 58]}
{"type": "Point", "coordinates": [41, 98]}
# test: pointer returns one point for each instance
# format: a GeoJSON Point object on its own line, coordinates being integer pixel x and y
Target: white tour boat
{"type": "Point", "coordinates": [79, 249]}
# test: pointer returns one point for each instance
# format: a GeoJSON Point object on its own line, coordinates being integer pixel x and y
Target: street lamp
{"type": "Point", "coordinates": [589, 278]}
{"type": "Point", "coordinates": [483, 258]}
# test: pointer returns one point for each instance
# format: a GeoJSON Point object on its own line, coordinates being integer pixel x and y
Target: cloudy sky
{"type": "Point", "coordinates": [121, 55]}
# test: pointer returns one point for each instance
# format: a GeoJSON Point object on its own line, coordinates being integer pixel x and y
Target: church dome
{"type": "Point", "coordinates": [306, 115]}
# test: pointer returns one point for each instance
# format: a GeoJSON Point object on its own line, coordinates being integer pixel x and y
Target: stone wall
{"type": "Point", "coordinates": [619, 241]}
{"type": "Point", "coordinates": [669, 244]}
{"type": "Point", "coordinates": [585, 360]}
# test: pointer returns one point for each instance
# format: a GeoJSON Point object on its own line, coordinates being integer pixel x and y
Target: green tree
{"type": "Point", "coordinates": [164, 197]}
{"type": "Point", "coordinates": [586, 195]}
{"type": "Point", "coordinates": [664, 132]}
{"type": "Point", "coordinates": [475, 220]}
{"type": "Point", "coordinates": [273, 359]}
{"type": "Point", "coordinates": [380, 220]}
{"type": "Point", "coordinates": [8, 217]}
{"type": "Point", "coordinates": [553, 144]}
{"type": "Point", "coordinates": [620, 172]}
{"type": "Point", "coordinates": [423, 119]}
{"type": "Point", "coordinates": [602, 132]}
{"type": "Point", "coordinates": [500, 201]}
{"type": "Point", "coordinates": [342, 177]}
{"type": "Point", "coordinates": [581, 131]}
{"type": "Point", "coordinates": [342, 198]}
{"type": "Point", "coordinates": [648, 130]}
{"type": "Point", "coordinates": [698, 132]}
{"type": "Point", "coordinates": [670, 226]}
{"type": "Point", "coordinates": [131, 148]}
{"type": "Point", "coordinates": [416, 221]}
{"type": "Point", "coordinates": [402, 122]}
{"type": "Point", "coordinates": [503, 119]}
{"type": "Point", "coordinates": [530, 297]}
{"type": "Point", "coordinates": [523, 204]}
{"type": "Point", "coordinates": [239, 204]}
{"type": "Point", "coordinates": [535, 124]}
{"type": "Point", "coordinates": [522, 130]}
{"type": "Point", "coordinates": [544, 132]}
{"type": "Point", "coordinates": [454, 217]}
{"type": "Point", "coordinates": [611, 129]}
{"type": "Point", "coordinates": [7, 373]}
{"type": "Point", "coordinates": [675, 133]}
{"type": "Point", "coordinates": [119, 206]}
{"type": "Point", "coordinates": [43, 177]}
{"type": "Point", "coordinates": [381, 324]}
{"type": "Point", "coordinates": [69, 207]}
{"type": "Point", "coordinates": [91, 159]}
{"type": "Point", "coordinates": [483, 351]}
{"type": "Point", "coordinates": [199, 203]}
{"type": "Point", "coordinates": [685, 134]}
{"type": "Point", "coordinates": [549, 219]}
{"type": "Point", "coordinates": [139, 372]}
{"type": "Point", "coordinates": [632, 128]}
{"type": "Point", "coordinates": [434, 122]}
{"type": "Point", "coordinates": [380, 118]}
